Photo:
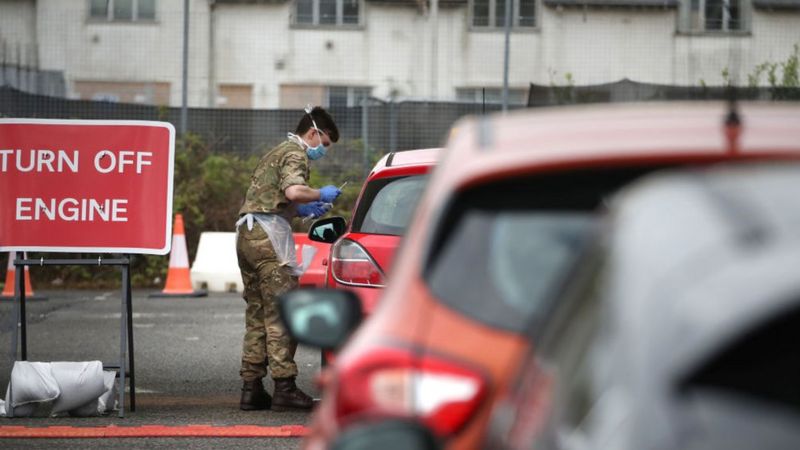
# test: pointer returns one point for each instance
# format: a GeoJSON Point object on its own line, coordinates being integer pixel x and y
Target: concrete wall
{"type": "Point", "coordinates": [257, 47]}
{"type": "Point", "coordinates": [18, 32]}
{"type": "Point", "coordinates": [148, 51]}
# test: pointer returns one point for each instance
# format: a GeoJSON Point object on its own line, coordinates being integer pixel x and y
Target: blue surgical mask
{"type": "Point", "coordinates": [315, 153]}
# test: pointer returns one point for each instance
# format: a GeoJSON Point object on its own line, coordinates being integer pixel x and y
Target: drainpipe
{"type": "Point", "coordinates": [185, 87]}
{"type": "Point", "coordinates": [212, 53]}
{"type": "Point", "coordinates": [434, 47]}
{"type": "Point", "coordinates": [506, 55]}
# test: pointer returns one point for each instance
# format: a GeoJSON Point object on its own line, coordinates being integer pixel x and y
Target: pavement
{"type": "Point", "coordinates": [186, 354]}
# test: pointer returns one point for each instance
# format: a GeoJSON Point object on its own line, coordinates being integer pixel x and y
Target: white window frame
{"type": "Point", "coordinates": [515, 6]}
{"type": "Point", "coordinates": [476, 94]}
{"type": "Point", "coordinates": [134, 12]}
{"type": "Point", "coordinates": [351, 94]}
{"type": "Point", "coordinates": [339, 16]}
{"type": "Point", "coordinates": [695, 21]}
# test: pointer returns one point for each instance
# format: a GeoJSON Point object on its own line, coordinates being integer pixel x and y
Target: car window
{"type": "Point", "coordinates": [503, 250]}
{"type": "Point", "coordinates": [387, 205]}
{"type": "Point", "coordinates": [514, 258]}
{"type": "Point", "coordinates": [763, 364]}
{"type": "Point", "coordinates": [571, 344]}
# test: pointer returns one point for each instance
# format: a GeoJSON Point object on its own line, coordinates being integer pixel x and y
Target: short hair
{"type": "Point", "coordinates": [323, 120]}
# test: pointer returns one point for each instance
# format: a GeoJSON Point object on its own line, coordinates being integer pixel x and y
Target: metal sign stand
{"type": "Point", "coordinates": [126, 319]}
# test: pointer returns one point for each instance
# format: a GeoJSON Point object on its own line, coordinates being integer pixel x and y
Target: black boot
{"type": "Point", "coordinates": [254, 397]}
{"type": "Point", "coordinates": [288, 397]}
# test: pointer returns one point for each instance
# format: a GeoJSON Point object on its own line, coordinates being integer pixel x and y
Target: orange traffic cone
{"type": "Point", "coordinates": [8, 289]}
{"type": "Point", "coordinates": [179, 281]}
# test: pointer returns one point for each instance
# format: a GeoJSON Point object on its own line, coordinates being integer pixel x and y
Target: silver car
{"type": "Point", "coordinates": [682, 327]}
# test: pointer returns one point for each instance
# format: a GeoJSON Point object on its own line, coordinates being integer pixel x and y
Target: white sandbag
{"type": "Point", "coordinates": [20, 411]}
{"type": "Point", "coordinates": [103, 404]}
{"type": "Point", "coordinates": [38, 409]}
{"type": "Point", "coordinates": [108, 401]}
{"type": "Point", "coordinates": [90, 409]}
{"type": "Point", "coordinates": [79, 382]}
{"type": "Point", "coordinates": [31, 383]}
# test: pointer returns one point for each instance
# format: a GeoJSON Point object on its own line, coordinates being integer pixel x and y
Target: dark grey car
{"type": "Point", "coordinates": [681, 329]}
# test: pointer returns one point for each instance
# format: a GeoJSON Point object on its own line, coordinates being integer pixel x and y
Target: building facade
{"type": "Point", "coordinates": [287, 53]}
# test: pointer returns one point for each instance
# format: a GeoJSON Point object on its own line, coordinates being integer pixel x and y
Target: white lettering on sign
{"type": "Point", "coordinates": [72, 210]}
{"type": "Point", "coordinates": [106, 161]}
{"type": "Point", "coordinates": [39, 160]}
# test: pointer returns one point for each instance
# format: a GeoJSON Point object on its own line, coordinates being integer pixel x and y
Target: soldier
{"type": "Point", "coordinates": [265, 249]}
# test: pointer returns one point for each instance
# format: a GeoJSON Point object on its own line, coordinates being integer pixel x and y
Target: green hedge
{"type": "Point", "coordinates": [209, 186]}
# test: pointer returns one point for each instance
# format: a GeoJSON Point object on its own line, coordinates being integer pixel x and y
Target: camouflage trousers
{"type": "Point", "coordinates": [266, 342]}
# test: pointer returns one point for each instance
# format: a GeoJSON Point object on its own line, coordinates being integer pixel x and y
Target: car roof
{"type": "Point", "coordinates": [698, 259]}
{"type": "Point", "coordinates": [497, 145]}
{"type": "Point", "coordinates": [407, 158]}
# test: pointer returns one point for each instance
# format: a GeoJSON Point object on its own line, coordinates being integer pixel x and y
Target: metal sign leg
{"type": "Point", "coordinates": [129, 304]}
{"type": "Point", "coordinates": [123, 342]}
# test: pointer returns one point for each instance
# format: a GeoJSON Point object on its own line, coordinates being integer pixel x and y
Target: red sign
{"type": "Point", "coordinates": [86, 186]}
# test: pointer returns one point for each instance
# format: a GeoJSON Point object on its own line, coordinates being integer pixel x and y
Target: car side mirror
{"type": "Point", "coordinates": [322, 318]}
{"type": "Point", "coordinates": [327, 230]}
{"type": "Point", "coordinates": [389, 434]}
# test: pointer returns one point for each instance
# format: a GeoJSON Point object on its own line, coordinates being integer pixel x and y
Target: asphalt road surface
{"type": "Point", "coordinates": [186, 353]}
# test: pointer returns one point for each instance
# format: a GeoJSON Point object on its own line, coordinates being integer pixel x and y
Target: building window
{"type": "Point", "coordinates": [327, 12]}
{"type": "Point", "coordinates": [492, 13]}
{"type": "Point", "coordinates": [142, 92]}
{"type": "Point", "coordinates": [298, 96]}
{"type": "Point", "coordinates": [516, 96]}
{"type": "Point", "coordinates": [344, 96]}
{"type": "Point", "coordinates": [238, 96]}
{"type": "Point", "coordinates": [122, 10]}
{"type": "Point", "coordinates": [714, 15]}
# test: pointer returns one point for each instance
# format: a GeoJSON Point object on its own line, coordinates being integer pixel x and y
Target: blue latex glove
{"type": "Point", "coordinates": [312, 209]}
{"type": "Point", "coordinates": [327, 194]}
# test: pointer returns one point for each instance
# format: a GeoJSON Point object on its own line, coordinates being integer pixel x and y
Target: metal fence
{"type": "Point", "coordinates": [366, 132]}
{"type": "Point", "coordinates": [395, 75]}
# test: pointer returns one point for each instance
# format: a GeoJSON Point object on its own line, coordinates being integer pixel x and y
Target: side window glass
{"type": "Point", "coordinates": [388, 204]}
{"type": "Point", "coordinates": [573, 350]}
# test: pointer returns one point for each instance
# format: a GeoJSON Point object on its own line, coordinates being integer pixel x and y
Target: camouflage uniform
{"type": "Point", "coordinates": [263, 274]}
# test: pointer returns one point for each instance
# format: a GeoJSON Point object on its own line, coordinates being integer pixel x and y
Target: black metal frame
{"type": "Point", "coordinates": [126, 319]}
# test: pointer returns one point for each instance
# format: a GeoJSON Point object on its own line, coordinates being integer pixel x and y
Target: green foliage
{"type": "Point", "coordinates": [726, 77]}
{"type": "Point", "coordinates": [208, 189]}
{"type": "Point", "coordinates": [783, 77]}
{"type": "Point", "coordinates": [565, 94]}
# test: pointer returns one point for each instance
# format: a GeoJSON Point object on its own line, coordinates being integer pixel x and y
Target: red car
{"type": "Point", "coordinates": [361, 258]}
{"type": "Point", "coordinates": [317, 273]}
{"type": "Point", "coordinates": [500, 226]}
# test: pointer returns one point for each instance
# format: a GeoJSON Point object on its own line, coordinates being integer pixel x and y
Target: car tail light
{"type": "Point", "coordinates": [388, 381]}
{"type": "Point", "coordinates": [351, 264]}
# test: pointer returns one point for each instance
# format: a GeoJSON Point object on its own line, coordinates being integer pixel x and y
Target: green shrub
{"type": "Point", "coordinates": [208, 189]}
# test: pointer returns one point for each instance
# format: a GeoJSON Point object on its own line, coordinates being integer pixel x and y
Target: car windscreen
{"type": "Point", "coordinates": [387, 205]}
{"type": "Point", "coordinates": [503, 250]}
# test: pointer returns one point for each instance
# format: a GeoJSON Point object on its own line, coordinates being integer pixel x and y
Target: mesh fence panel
{"type": "Point", "coordinates": [254, 64]}
{"type": "Point", "coordinates": [395, 74]}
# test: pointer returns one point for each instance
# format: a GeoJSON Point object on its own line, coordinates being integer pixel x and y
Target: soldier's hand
{"type": "Point", "coordinates": [312, 209]}
{"type": "Point", "coordinates": [329, 193]}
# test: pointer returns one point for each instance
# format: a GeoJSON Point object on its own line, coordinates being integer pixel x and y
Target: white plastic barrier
{"type": "Point", "coordinates": [215, 267]}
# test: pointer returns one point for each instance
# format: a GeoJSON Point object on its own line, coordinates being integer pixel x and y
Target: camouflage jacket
{"type": "Point", "coordinates": [281, 167]}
